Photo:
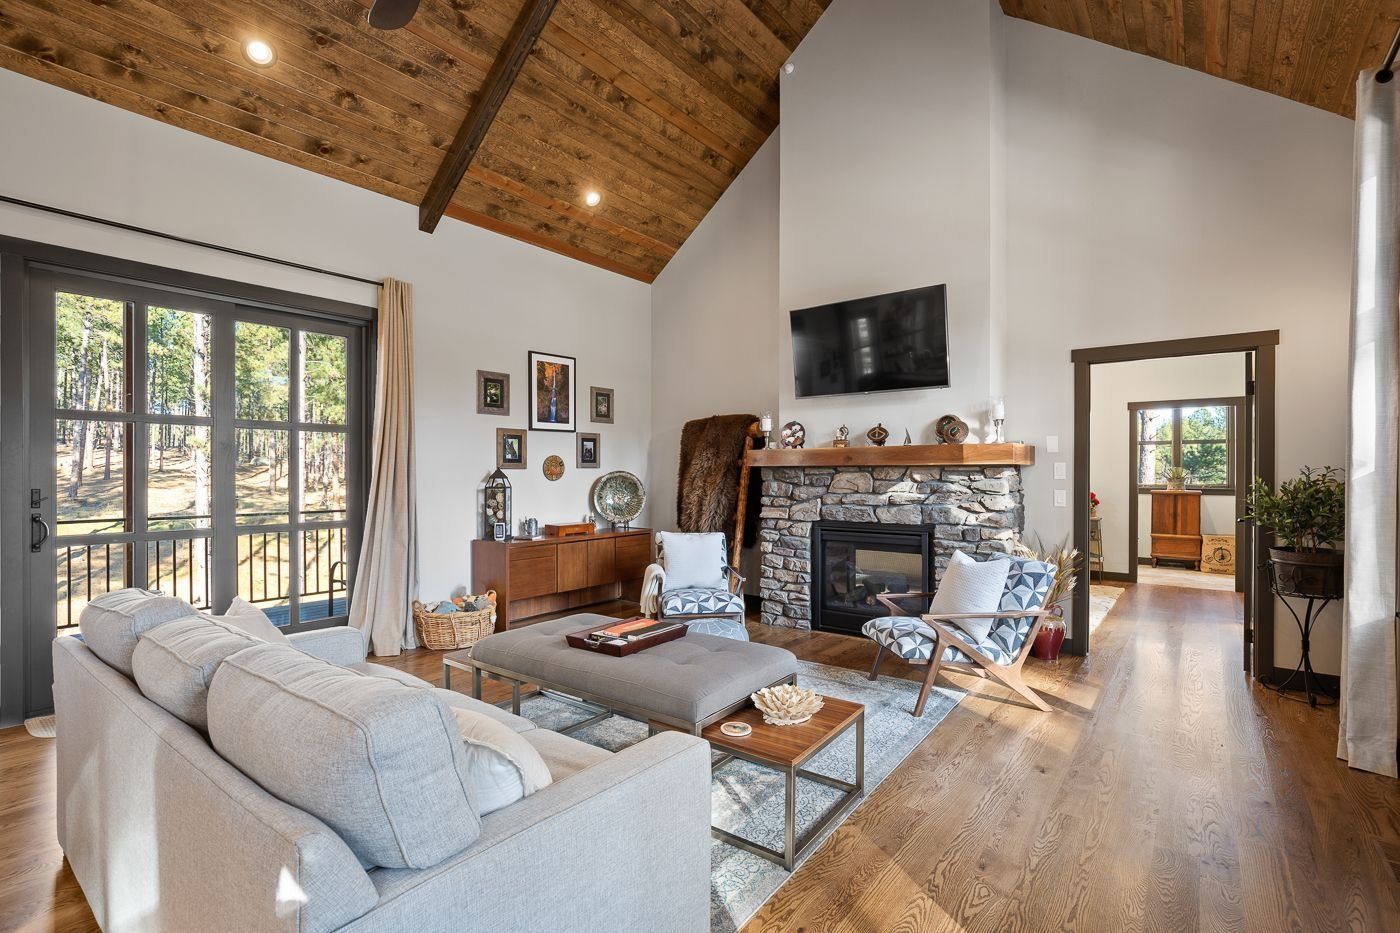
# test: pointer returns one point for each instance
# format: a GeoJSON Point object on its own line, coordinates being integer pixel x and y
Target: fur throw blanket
{"type": "Point", "coordinates": [707, 492]}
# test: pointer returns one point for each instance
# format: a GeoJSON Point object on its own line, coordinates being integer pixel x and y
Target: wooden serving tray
{"type": "Point", "coordinates": [580, 640]}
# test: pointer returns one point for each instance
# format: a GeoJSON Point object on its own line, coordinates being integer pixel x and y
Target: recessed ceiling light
{"type": "Point", "coordinates": [259, 52]}
{"type": "Point", "coordinates": [592, 199]}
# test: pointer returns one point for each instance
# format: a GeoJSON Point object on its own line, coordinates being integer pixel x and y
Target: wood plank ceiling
{"type": "Point", "coordinates": [1308, 50]}
{"type": "Point", "coordinates": [657, 106]}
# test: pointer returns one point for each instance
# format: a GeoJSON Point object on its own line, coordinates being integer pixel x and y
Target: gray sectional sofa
{"type": "Point", "coordinates": [164, 833]}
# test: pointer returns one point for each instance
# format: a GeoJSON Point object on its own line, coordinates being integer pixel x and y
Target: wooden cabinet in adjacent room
{"type": "Point", "coordinates": [1176, 526]}
{"type": "Point", "coordinates": [533, 577]}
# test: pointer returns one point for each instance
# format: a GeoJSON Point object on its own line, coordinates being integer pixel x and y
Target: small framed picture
{"type": "Point", "coordinates": [600, 406]}
{"type": "Point", "coordinates": [498, 531]}
{"type": "Point", "coordinates": [553, 387]}
{"type": "Point", "coordinates": [492, 393]}
{"type": "Point", "coordinates": [510, 448]}
{"type": "Point", "coordinates": [588, 451]}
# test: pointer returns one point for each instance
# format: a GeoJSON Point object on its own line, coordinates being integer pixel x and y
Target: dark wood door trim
{"type": "Point", "coordinates": [1263, 344]}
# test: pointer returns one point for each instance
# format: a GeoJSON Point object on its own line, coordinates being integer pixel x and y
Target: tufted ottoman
{"type": "Point", "coordinates": [684, 684]}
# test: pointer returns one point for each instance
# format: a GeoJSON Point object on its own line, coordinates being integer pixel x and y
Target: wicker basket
{"type": "Point", "coordinates": [448, 631]}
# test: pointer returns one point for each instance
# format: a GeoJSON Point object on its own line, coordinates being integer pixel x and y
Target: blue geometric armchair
{"type": "Point", "coordinates": [697, 587]}
{"type": "Point", "coordinates": [936, 640]}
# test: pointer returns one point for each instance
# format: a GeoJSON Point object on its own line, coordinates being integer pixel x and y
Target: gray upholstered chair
{"type": "Point", "coordinates": [936, 640]}
{"type": "Point", "coordinates": [696, 585]}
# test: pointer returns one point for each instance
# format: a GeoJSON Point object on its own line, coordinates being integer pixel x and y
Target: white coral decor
{"type": "Point", "coordinates": [786, 704]}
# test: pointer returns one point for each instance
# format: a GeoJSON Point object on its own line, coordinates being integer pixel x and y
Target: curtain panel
{"type": "Point", "coordinates": [1367, 733]}
{"type": "Point", "coordinates": [387, 578]}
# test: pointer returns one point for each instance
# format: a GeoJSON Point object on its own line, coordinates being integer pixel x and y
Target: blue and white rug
{"type": "Point", "coordinates": [748, 799]}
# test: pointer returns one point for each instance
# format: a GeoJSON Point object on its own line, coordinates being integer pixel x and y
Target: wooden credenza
{"type": "Point", "coordinates": [1176, 525]}
{"type": "Point", "coordinates": [540, 575]}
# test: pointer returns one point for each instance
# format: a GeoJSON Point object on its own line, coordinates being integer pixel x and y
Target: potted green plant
{"type": "Point", "coordinates": [1176, 478]}
{"type": "Point", "coordinates": [1307, 515]}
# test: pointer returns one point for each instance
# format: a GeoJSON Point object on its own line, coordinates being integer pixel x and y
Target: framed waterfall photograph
{"type": "Point", "coordinates": [553, 388]}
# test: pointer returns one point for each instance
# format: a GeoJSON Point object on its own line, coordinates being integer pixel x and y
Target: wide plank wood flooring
{"type": "Point", "coordinates": [1164, 793]}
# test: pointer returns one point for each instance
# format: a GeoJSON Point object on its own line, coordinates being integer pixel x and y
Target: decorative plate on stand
{"type": "Point", "coordinates": [618, 497]}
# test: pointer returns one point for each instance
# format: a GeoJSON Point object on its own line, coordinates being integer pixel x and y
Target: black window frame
{"type": "Point", "coordinates": [1176, 443]}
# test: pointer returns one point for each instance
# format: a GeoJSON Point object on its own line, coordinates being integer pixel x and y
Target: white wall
{"type": "Point", "coordinates": [1147, 201]}
{"type": "Point", "coordinates": [481, 300]}
{"type": "Point", "coordinates": [1113, 387]}
{"type": "Point", "coordinates": [889, 176]}
{"type": "Point", "coordinates": [714, 325]}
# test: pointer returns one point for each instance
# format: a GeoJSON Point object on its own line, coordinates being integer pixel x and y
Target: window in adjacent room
{"type": "Point", "coordinates": [1197, 439]}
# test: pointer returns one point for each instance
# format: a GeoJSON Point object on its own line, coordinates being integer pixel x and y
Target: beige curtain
{"type": "Point", "coordinates": [1368, 703]}
{"type": "Point", "coordinates": [388, 572]}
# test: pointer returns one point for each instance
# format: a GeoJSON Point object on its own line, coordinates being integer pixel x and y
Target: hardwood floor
{"type": "Point", "coordinates": [1164, 793]}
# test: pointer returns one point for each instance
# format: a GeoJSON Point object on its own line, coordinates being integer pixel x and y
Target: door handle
{"type": "Point", "coordinates": [36, 522]}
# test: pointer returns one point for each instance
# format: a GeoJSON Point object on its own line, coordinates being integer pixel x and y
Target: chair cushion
{"type": "Point", "coordinates": [565, 754]}
{"type": "Point", "coordinates": [504, 767]}
{"type": "Point", "coordinates": [723, 626]}
{"type": "Point", "coordinates": [970, 585]}
{"type": "Point", "coordinates": [113, 622]}
{"type": "Point", "coordinates": [911, 638]}
{"type": "Point", "coordinates": [378, 760]}
{"type": "Point", "coordinates": [174, 663]}
{"type": "Point", "coordinates": [1027, 584]}
{"type": "Point", "coordinates": [701, 601]}
{"type": "Point", "coordinates": [693, 560]}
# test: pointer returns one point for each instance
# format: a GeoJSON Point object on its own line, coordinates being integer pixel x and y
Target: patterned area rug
{"type": "Point", "coordinates": [1101, 600]}
{"type": "Point", "coordinates": [748, 799]}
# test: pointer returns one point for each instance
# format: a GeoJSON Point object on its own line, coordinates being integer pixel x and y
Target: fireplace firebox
{"type": "Point", "coordinates": [855, 562]}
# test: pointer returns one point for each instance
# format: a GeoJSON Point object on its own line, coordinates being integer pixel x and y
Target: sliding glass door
{"type": "Point", "coordinates": [189, 445]}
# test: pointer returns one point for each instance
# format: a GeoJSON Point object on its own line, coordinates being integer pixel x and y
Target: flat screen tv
{"type": "Point", "coordinates": [879, 344]}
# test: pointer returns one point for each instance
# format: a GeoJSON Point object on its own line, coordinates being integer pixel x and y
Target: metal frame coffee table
{"type": "Point", "coordinates": [786, 749]}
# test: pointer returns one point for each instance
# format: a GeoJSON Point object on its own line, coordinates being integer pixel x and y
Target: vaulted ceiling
{"type": "Point", "coordinates": [1306, 50]}
{"type": "Point", "coordinates": [654, 104]}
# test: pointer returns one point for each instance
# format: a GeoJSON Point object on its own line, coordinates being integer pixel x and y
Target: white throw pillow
{"type": "Point", "coordinates": [971, 586]}
{"type": "Point", "coordinates": [248, 618]}
{"type": "Point", "coordinates": [694, 560]}
{"type": "Point", "coordinates": [503, 766]}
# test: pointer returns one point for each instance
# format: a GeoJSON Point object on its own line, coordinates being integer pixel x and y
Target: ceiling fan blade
{"type": "Point", "coordinates": [392, 14]}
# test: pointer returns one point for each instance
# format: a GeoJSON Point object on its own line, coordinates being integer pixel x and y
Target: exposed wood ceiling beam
{"type": "Point", "coordinates": [504, 70]}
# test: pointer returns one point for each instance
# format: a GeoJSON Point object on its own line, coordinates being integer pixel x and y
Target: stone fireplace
{"type": "Point", "coordinates": [825, 524]}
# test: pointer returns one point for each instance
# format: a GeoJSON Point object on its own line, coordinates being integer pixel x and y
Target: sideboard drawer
{"type": "Point", "coordinates": [534, 572]}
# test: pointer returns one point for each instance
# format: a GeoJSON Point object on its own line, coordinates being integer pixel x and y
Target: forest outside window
{"type": "Point", "coordinates": [1196, 439]}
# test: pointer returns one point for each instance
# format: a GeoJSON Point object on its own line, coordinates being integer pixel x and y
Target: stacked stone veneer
{"type": "Point", "coordinates": [977, 509]}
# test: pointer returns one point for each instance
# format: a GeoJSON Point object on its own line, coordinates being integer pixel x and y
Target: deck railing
{"type": "Point", "coordinates": [182, 567]}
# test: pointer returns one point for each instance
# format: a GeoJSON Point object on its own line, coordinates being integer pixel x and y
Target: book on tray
{"type": "Point", "coordinates": [631, 630]}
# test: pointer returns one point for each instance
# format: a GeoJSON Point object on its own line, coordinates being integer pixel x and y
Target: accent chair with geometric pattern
{"type": "Point", "coordinates": [715, 609]}
{"type": "Point", "coordinates": [938, 641]}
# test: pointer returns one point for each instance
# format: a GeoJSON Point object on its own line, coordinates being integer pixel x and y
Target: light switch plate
{"type": "Point", "coordinates": [1060, 471]}
{"type": "Point", "coordinates": [1052, 443]}
{"type": "Point", "coordinates": [1060, 499]}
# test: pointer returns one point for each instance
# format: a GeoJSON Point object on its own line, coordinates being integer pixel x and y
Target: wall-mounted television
{"type": "Point", "coordinates": [877, 344]}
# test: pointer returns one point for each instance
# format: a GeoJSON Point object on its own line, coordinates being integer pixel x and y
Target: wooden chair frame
{"type": "Point", "coordinates": [1008, 674]}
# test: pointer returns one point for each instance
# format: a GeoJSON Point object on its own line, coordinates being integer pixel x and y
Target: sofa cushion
{"type": "Point", "coordinates": [699, 601]}
{"type": "Point", "coordinates": [244, 615]}
{"type": "Point", "coordinates": [112, 623]}
{"type": "Point", "coordinates": [378, 760]}
{"type": "Point", "coordinates": [504, 767]}
{"type": "Point", "coordinates": [173, 664]}
{"type": "Point", "coordinates": [564, 754]}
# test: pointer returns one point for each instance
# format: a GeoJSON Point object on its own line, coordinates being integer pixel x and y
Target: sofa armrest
{"type": "Point", "coordinates": [643, 813]}
{"type": "Point", "coordinates": [340, 644]}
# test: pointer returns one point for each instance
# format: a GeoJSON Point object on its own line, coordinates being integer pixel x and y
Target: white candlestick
{"type": "Point", "coordinates": [998, 409]}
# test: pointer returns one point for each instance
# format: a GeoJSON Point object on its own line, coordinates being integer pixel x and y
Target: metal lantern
{"type": "Point", "coordinates": [495, 507]}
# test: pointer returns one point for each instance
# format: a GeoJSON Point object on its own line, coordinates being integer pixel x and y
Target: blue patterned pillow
{"type": "Point", "coordinates": [1027, 584]}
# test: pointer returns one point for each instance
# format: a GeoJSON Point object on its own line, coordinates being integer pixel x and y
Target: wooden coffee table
{"type": "Point", "coordinates": [787, 749]}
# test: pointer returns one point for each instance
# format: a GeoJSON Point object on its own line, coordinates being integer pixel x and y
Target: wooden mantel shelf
{"type": "Point", "coordinates": [930, 455]}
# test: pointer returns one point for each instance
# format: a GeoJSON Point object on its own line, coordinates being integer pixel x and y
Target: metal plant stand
{"type": "Point", "coordinates": [1312, 686]}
